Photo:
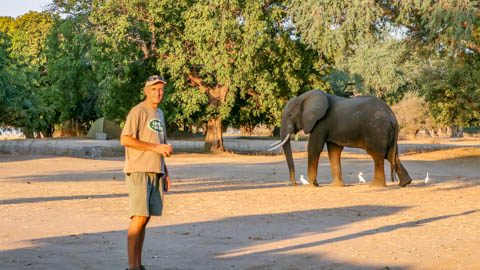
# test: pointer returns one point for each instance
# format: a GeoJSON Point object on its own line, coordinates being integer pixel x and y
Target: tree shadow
{"type": "Point", "coordinates": [69, 176]}
{"type": "Point", "coordinates": [212, 244]}
{"type": "Point", "coordinates": [8, 157]}
{"type": "Point", "coordinates": [230, 187]}
{"type": "Point", "coordinates": [379, 230]}
{"type": "Point", "coordinates": [229, 243]}
{"type": "Point", "coordinates": [464, 183]}
{"type": "Point", "coordinates": [60, 198]}
{"type": "Point", "coordinates": [224, 176]}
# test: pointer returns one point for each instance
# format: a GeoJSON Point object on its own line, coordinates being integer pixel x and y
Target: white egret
{"type": "Point", "coordinates": [427, 179]}
{"type": "Point", "coordinates": [361, 179]}
{"type": "Point", "coordinates": [303, 180]}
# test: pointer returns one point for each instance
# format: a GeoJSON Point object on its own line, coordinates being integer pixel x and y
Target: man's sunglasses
{"type": "Point", "coordinates": [154, 78]}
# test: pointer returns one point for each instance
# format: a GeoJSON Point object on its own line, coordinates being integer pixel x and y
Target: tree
{"type": "Point", "coordinates": [338, 27]}
{"type": "Point", "coordinates": [214, 53]}
{"type": "Point", "coordinates": [7, 83]}
{"type": "Point", "coordinates": [8, 86]}
{"type": "Point", "coordinates": [381, 69]}
{"type": "Point", "coordinates": [453, 92]}
{"type": "Point", "coordinates": [284, 69]}
{"type": "Point", "coordinates": [449, 82]}
{"type": "Point", "coordinates": [6, 24]}
{"type": "Point", "coordinates": [353, 34]}
{"type": "Point", "coordinates": [73, 90]}
{"type": "Point", "coordinates": [29, 33]}
{"type": "Point", "coordinates": [413, 115]}
{"type": "Point", "coordinates": [24, 39]}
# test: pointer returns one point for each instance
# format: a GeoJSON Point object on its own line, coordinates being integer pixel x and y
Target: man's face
{"type": "Point", "coordinates": [154, 93]}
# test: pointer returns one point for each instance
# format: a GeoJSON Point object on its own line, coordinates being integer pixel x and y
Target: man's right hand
{"type": "Point", "coordinates": [164, 149]}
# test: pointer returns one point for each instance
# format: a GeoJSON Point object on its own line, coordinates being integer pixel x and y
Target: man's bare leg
{"type": "Point", "coordinates": [135, 237]}
{"type": "Point", "coordinates": [140, 244]}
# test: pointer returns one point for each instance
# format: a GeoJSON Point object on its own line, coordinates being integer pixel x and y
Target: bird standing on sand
{"type": "Point", "coordinates": [361, 179]}
{"type": "Point", "coordinates": [303, 180]}
{"type": "Point", "coordinates": [427, 179]}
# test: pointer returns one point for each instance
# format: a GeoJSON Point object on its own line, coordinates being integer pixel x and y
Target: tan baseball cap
{"type": "Point", "coordinates": [155, 79]}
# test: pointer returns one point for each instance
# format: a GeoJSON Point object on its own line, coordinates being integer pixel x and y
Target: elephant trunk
{"type": "Point", "coordinates": [287, 150]}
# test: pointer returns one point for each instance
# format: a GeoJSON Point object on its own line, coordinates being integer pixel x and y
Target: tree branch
{"type": "Point", "coordinates": [197, 81]}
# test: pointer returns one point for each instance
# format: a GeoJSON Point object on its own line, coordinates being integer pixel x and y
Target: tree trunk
{"type": "Point", "coordinates": [216, 97]}
{"type": "Point", "coordinates": [28, 133]}
{"type": "Point", "coordinates": [77, 128]}
{"type": "Point", "coordinates": [49, 131]}
{"type": "Point", "coordinates": [276, 132]}
{"type": "Point", "coordinates": [246, 130]}
{"type": "Point", "coordinates": [453, 131]}
{"type": "Point", "coordinates": [213, 138]}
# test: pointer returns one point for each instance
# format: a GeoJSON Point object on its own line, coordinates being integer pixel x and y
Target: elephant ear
{"type": "Point", "coordinates": [315, 106]}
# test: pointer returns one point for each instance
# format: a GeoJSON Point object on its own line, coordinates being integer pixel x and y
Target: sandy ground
{"type": "Point", "coordinates": [239, 212]}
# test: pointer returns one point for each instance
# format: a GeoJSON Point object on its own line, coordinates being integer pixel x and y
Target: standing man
{"type": "Point", "coordinates": [145, 140]}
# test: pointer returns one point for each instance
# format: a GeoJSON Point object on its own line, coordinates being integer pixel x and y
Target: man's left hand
{"type": "Point", "coordinates": [166, 183]}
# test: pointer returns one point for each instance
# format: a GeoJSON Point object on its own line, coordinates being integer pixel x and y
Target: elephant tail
{"type": "Point", "coordinates": [392, 152]}
{"type": "Point", "coordinates": [392, 164]}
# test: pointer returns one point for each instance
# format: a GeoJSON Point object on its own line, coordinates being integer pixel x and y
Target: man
{"type": "Point", "coordinates": [145, 141]}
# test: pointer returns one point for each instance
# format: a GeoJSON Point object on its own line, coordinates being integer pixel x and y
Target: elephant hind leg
{"type": "Point", "coordinates": [402, 173]}
{"type": "Point", "coordinates": [379, 174]}
{"type": "Point", "coordinates": [397, 166]}
{"type": "Point", "coordinates": [334, 153]}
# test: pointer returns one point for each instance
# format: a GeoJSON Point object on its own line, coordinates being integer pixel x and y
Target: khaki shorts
{"type": "Point", "coordinates": [145, 194]}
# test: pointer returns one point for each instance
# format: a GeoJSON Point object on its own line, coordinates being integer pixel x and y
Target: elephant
{"type": "Point", "coordinates": [362, 122]}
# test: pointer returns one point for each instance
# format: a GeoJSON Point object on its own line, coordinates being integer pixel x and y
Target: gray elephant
{"type": "Point", "coordinates": [361, 122]}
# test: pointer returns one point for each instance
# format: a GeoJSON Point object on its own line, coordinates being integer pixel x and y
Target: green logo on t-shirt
{"type": "Point", "coordinates": [155, 125]}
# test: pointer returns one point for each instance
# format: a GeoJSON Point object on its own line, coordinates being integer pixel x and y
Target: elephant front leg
{"type": "Point", "coordinates": [315, 148]}
{"type": "Point", "coordinates": [334, 153]}
{"type": "Point", "coordinates": [379, 174]}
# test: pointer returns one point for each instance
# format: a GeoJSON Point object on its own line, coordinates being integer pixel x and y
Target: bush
{"type": "Point", "coordinates": [412, 115]}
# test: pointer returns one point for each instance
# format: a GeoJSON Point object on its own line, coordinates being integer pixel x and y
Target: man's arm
{"type": "Point", "coordinates": [162, 149]}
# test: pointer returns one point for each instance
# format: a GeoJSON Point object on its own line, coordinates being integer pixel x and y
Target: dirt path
{"type": "Point", "coordinates": [239, 212]}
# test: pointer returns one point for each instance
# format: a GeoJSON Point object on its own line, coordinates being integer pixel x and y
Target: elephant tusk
{"type": "Point", "coordinates": [277, 142]}
{"type": "Point", "coordinates": [280, 144]}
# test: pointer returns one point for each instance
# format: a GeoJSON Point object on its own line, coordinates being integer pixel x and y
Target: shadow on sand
{"type": "Point", "coordinates": [197, 246]}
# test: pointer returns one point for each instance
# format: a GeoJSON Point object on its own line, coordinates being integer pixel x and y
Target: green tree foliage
{"type": "Point", "coordinates": [29, 33]}
{"type": "Point", "coordinates": [24, 41]}
{"type": "Point", "coordinates": [73, 91]}
{"type": "Point", "coordinates": [450, 84]}
{"type": "Point", "coordinates": [214, 53]}
{"type": "Point", "coordinates": [234, 62]}
{"type": "Point", "coordinates": [381, 69]}
{"type": "Point", "coordinates": [355, 35]}
{"type": "Point", "coordinates": [337, 27]}
{"type": "Point", "coordinates": [6, 24]}
{"type": "Point", "coordinates": [7, 82]}
{"type": "Point", "coordinates": [453, 92]}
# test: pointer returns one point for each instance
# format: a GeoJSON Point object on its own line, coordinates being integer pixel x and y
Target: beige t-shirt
{"type": "Point", "coordinates": [146, 124]}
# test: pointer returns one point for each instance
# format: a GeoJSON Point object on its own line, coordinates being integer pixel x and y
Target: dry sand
{"type": "Point", "coordinates": [239, 212]}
